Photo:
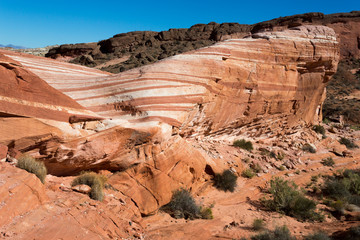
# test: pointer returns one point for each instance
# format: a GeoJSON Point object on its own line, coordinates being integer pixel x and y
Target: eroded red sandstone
{"type": "Point", "coordinates": [171, 124]}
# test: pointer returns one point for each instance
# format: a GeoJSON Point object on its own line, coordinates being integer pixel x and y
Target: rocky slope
{"type": "Point", "coordinates": [166, 126]}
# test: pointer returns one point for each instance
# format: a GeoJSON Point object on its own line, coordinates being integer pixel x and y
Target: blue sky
{"type": "Point", "coordinates": [41, 23]}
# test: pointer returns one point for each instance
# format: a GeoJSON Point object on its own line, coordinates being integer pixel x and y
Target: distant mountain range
{"type": "Point", "coordinates": [12, 46]}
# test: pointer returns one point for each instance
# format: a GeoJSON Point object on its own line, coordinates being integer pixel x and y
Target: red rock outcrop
{"type": "Point", "coordinates": [31, 210]}
{"type": "Point", "coordinates": [22, 93]}
{"type": "Point", "coordinates": [272, 80]}
{"type": "Point", "coordinates": [20, 192]}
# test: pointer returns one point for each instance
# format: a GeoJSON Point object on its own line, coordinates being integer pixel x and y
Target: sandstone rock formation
{"type": "Point", "coordinates": [275, 79]}
{"type": "Point", "coordinates": [272, 75]}
{"type": "Point", "coordinates": [30, 210]}
{"type": "Point", "coordinates": [20, 192]}
{"type": "Point", "coordinates": [143, 125]}
{"type": "Point", "coordinates": [141, 48]}
{"type": "Point", "coordinates": [22, 93]}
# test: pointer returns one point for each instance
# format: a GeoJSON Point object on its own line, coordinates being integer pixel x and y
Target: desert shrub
{"type": "Point", "coordinates": [248, 173]}
{"type": "Point", "coordinates": [328, 162]}
{"type": "Point", "coordinates": [317, 236]}
{"type": "Point", "coordinates": [343, 189]}
{"type": "Point", "coordinates": [288, 199]}
{"type": "Point", "coordinates": [280, 155]}
{"type": "Point", "coordinates": [344, 186]}
{"type": "Point", "coordinates": [351, 181]}
{"type": "Point", "coordinates": [258, 224]}
{"type": "Point", "coordinates": [339, 206]}
{"type": "Point", "coordinates": [319, 129]}
{"type": "Point", "coordinates": [31, 165]}
{"type": "Point", "coordinates": [93, 180]}
{"type": "Point", "coordinates": [335, 189]}
{"type": "Point", "coordinates": [348, 143]}
{"type": "Point", "coordinates": [225, 181]}
{"type": "Point", "coordinates": [183, 205]}
{"type": "Point", "coordinates": [308, 148]}
{"type": "Point", "coordinates": [242, 143]}
{"type": "Point", "coordinates": [280, 233]}
{"type": "Point", "coordinates": [281, 168]}
{"type": "Point", "coordinates": [256, 167]}
{"type": "Point", "coordinates": [326, 121]}
{"type": "Point", "coordinates": [206, 213]}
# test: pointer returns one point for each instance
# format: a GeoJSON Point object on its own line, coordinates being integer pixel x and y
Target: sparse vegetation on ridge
{"type": "Point", "coordinates": [225, 181]}
{"type": "Point", "coordinates": [93, 180]}
{"type": "Point", "coordinates": [31, 165]}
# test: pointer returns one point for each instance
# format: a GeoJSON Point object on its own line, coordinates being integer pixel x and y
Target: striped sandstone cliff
{"type": "Point", "coordinates": [273, 80]}
{"type": "Point", "coordinates": [272, 75]}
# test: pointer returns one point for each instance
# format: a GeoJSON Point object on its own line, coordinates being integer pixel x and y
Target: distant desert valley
{"type": "Point", "coordinates": [217, 131]}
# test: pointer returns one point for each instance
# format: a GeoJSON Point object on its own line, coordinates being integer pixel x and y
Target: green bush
{"type": "Point", "coordinates": [348, 143]}
{"type": "Point", "coordinates": [247, 145]}
{"type": "Point", "coordinates": [183, 205]}
{"type": "Point", "coordinates": [280, 233]}
{"type": "Point", "coordinates": [248, 173]}
{"type": "Point", "coordinates": [319, 129]}
{"type": "Point", "coordinates": [93, 180]}
{"type": "Point", "coordinates": [258, 224]}
{"type": "Point", "coordinates": [287, 199]}
{"type": "Point", "coordinates": [344, 187]}
{"type": "Point", "coordinates": [317, 236]}
{"type": "Point", "coordinates": [225, 181]}
{"type": "Point", "coordinates": [29, 164]}
{"type": "Point", "coordinates": [328, 162]}
{"type": "Point", "coordinates": [308, 148]}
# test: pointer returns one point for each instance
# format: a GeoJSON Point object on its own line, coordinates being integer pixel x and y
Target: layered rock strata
{"type": "Point", "coordinates": [22, 93]}
{"type": "Point", "coordinates": [227, 85]}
